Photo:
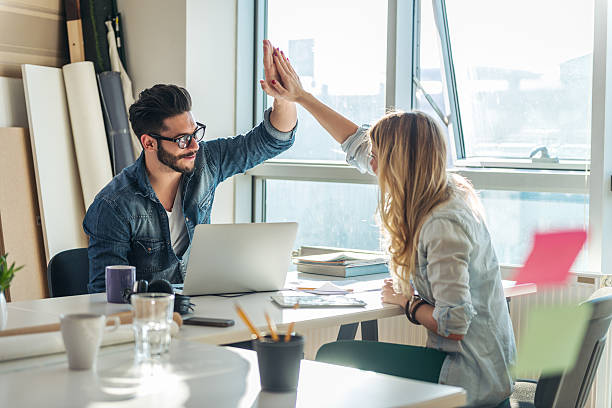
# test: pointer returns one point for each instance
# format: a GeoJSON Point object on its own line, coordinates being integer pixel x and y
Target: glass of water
{"type": "Point", "coordinates": [152, 322]}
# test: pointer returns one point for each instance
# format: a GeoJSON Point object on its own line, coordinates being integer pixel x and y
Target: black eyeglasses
{"type": "Point", "coordinates": [184, 140]}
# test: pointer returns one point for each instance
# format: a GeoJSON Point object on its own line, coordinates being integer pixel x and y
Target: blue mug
{"type": "Point", "coordinates": [118, 279]}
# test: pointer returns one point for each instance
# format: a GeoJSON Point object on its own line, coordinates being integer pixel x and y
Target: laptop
{"type": "Point", "coordinates": [235, 258]}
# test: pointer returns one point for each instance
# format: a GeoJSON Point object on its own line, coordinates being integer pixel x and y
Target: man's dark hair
{"type": "Point", "coordinates": [155, 104]}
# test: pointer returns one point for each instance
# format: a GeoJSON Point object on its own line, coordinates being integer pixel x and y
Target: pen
{"type": "Point", "coordinates": [290, 328]}
{"type": "Point", "coordinates": [246, 321]}
{"type": "Point", "coordinates": [272, 327]}
{"type": "Point", "coordinates": [302, 288]}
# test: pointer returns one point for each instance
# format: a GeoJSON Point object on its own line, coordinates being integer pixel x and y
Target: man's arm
{"type": "Point", "coordinates": [109, 242]}
{"type": "Point", "coordinates": [238, 154]}
{"type": "Point", "coordinates": [289, 88]}
{"type": "Point", "coordinates": [284, 115]}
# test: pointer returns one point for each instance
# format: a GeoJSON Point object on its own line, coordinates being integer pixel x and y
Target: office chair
{"type": "Point", "coordinates": [385, 358]}
{"type": "Point", "coordinates": [571, 388]}
{"type": "Point", "coordinates": [68, 273]}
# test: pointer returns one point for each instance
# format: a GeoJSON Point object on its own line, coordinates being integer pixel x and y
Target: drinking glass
{"type": "Point", "coordinates": [152, 322]}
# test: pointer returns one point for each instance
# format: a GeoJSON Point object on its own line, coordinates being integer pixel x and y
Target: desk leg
{"type": "Point", "coordinates": [369, 330]}
{"type": "Point", "coordinates": [347, 331]}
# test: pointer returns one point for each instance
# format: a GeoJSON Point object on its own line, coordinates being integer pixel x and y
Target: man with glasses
{"type": "Point", "coordinates": [146, 215]}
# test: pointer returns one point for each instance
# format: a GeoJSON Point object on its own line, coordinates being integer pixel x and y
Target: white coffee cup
{"type": "Point", "coordinates": [82, 334]}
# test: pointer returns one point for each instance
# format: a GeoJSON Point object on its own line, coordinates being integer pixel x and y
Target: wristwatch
{"type": "Point", "coordinates": [413, 305]}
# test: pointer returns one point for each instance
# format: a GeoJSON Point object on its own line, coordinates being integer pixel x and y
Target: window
{"type": "Point", "coordinates": [513, 217]}
{"type": "Point", "coordinates": [431, 93]}
{"type": "Point", "coordinates": [329, 214]}
{"type": "Point", "coordinates": [523, 72]}
{"type": "Point", "coordinates": [349, 75]}
{"type": "Point", "coordinates": [503, 78]}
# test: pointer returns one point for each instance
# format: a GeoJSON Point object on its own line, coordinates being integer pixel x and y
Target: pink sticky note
{"type": "Point", "coordinates": [551, 257]}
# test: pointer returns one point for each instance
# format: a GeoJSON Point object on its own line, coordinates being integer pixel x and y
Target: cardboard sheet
{"type": "Point", "coordinates": [20, 232]}
{"type": "Point", "coordinates": [60, 196]}
{"type": "Point", "coordinates": [12, 103]}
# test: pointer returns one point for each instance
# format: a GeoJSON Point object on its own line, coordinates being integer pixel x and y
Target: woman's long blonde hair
{"type": "Point", "coordinates": [411, 155]}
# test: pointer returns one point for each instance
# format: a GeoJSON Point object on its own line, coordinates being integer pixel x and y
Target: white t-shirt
{"type": "Point", "coordinates": [176, 222]}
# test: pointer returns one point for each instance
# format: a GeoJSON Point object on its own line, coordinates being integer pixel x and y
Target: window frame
{"type": "Point", "coordinates": [402, 56]}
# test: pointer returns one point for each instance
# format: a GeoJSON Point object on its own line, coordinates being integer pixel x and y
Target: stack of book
{"type": "Point", "coordinates": [343, 264]}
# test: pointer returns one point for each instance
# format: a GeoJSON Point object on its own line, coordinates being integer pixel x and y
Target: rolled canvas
{"type": "Point", "coordinates": [30, 345]}
{"type": "Point", "coordinates": [115, 117]}
{"type": "Point", "coordinates": [87, 128]}
{"type": "Point", "coordinates": [126, 82]}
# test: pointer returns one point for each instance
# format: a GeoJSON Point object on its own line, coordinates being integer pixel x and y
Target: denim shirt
{"type": "Point", "coordinates": [127, 224]}
{"type": "Point", "coordinates": [457, 272]}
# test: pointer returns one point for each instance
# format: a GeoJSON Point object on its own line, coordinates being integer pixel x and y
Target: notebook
{"type": "Point", "coordinates": [342, 264]}
{"type": "Point", "coordinates": [317, 301]}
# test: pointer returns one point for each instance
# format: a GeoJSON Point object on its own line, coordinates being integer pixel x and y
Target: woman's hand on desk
{"type": "Point", "coordinates": [389, 295]}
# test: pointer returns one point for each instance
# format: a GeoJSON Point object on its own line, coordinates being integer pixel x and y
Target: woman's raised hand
{"type": "Point", "coordinates": [270, 72]}
{"type": "Point", "coordinates": [289, 87]}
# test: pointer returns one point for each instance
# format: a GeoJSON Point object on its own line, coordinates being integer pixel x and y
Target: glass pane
{"type": "Point", "coordinates": [339, 50]}
{"type": "Point", "coordinates": [343, 215]}
{"type": "Point", "coordinates": [328, 214]}
{"type": "Point", "coordinates": [523, 71]}
{"type": "Point", "coordinates": [513, 217]}
{"type": "Point", "coordinates": [431, 74]}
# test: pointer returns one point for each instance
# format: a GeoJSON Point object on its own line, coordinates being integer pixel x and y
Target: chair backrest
{"type": "Point", "coordinates": [571, 389]}
{"type": "Point", "coordinates": [68, 273]}
{"type": "Point", "coordinates": [385, 358]}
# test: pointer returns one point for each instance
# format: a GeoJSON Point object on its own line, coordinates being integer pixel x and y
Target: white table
{"type": "Point", "coordinates": [195, 375]}
{"type": "Point", "coordinates": [44, 311]}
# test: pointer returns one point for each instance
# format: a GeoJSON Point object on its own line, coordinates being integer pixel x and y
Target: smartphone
{"type": "Point", "coordinates": [209, 321]}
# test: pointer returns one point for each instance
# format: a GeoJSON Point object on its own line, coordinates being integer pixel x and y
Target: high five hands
{"type": "Point", "coordinates": [281, 80]}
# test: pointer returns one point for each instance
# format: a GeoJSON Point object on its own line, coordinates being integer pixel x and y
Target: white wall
{"type": "Point", "coordinates": [191, 43]}
{"type": "Point", "coordinates": [154, 35]}
{"type": "Point", "coordinates": [211, 80]}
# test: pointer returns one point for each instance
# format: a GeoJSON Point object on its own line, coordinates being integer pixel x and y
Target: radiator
{"type": "Point", "coordinates": [399, 330]}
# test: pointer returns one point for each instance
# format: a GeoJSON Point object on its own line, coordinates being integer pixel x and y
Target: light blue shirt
{"type": "Point", "coordinates": [458, 273]}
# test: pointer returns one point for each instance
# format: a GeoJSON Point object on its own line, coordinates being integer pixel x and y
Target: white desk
{"type": "Point", "coordinates": [195, 375]}
{"type": "Point", "coordinates": [44, 311]}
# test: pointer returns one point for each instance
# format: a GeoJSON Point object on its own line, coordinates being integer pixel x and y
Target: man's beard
{"type": "Point", "coordinates": [171, 160]}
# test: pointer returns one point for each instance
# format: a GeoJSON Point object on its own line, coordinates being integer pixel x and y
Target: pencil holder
{"type": "Point", "coordinates": [279, 362]}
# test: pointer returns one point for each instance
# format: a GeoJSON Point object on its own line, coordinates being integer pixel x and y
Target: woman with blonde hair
{"type": "Point", "coordinates": [446, 274]}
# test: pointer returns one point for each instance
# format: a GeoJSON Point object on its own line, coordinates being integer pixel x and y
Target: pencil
{"type": "Point", "coordinates": [272, 327]}
{"type": "Point", "coordinates": [290, 328]}
{"type": "Point", "coordinates": [246, 321]}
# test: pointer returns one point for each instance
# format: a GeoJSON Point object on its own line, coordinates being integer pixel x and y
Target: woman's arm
{"type": "Point", "coordinates": [290, 88]}
{"type": "Point", "coordinates": [424, 314]}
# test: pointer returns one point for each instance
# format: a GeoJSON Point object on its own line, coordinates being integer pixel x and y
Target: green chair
{"type": "Point", "coordinates": [418, 363]}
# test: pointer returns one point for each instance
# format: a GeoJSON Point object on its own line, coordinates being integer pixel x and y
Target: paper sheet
{"type": "Point", "coordinates": [551, 257]}
{"type": "Point", "coordinates": [551, 339]}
